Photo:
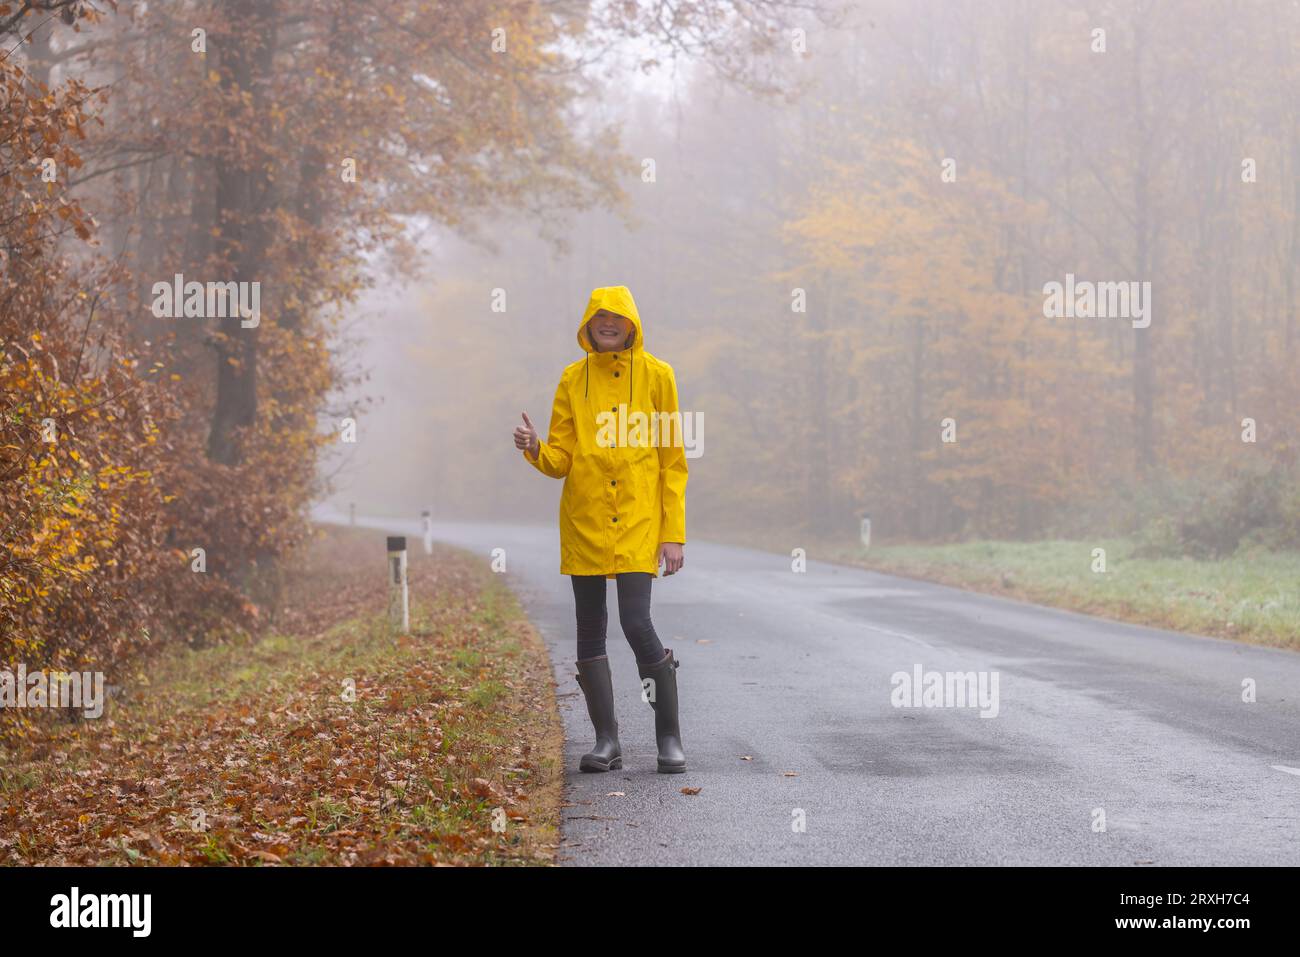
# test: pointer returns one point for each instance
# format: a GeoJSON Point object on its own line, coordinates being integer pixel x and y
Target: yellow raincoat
{"type": "Point", "coordinates": [624, 480]}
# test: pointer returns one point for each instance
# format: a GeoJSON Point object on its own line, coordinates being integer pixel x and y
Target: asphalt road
{"type": "Point", "coordinates": [787, 719]}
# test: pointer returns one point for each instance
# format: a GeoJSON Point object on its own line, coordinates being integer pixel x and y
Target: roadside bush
{"type": "Point", "coordinates": [105, 486]}
{"type": "Point", "coordinates": [1250, 507]}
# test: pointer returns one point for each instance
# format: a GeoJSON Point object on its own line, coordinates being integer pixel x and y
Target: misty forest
{"type": "Point", "coordinates": [998, 275]}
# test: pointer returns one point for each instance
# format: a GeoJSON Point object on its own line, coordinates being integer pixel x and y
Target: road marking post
{"type": "Point", "coordinates": [399, 609]}
{"type": "Point", "coordinates": [427, 517]}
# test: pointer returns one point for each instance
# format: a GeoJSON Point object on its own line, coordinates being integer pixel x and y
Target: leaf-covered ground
{"type": "Point", "coordinates": [447, 752]}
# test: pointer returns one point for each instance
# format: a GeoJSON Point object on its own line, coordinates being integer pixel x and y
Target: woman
{"type": "Point", "coordinates": [622, 511]}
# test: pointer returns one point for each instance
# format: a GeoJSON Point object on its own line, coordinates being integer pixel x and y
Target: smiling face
{"type": "Point", "coordinates": [607, 331]}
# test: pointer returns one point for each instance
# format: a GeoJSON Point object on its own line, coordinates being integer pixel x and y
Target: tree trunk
{"type": "Point", "coordinates": [243, 197]}
{"type": "Point", "coordinates": [1143, 432]}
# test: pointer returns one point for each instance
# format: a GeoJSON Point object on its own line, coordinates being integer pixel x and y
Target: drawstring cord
{"type": "Point", "coordinates": [631, 365]}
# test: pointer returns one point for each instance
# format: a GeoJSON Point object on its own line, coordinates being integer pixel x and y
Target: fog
{"type": "Point", "coordinates": [853, 280]}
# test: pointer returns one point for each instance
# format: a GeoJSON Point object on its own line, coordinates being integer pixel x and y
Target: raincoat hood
{"type": "Point", "coordinates": [615, 299]}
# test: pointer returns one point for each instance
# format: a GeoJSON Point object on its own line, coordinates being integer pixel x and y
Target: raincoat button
{"type": "Point", "coordinates": [613, 481]}
{"type": "Point", "coordinates": [616, 518]}
{"type": "Point", "coordinates": [616, 374]}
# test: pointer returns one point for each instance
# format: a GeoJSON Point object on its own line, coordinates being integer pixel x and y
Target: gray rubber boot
{"type": "Point", "coordinates": [663, 698]}
{"type": "Point", "coordinates": [598, 688]}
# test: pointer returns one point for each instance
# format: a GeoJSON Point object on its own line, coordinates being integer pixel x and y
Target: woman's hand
{"type": "Point", "coordinates": [526, 437]}
{"type": "Point", "coordinates": [670, 555]}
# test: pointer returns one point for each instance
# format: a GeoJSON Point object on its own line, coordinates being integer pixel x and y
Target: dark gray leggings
{"type": "Point", "coordinates": [633, 615]}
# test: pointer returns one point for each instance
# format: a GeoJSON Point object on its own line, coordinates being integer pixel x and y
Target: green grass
{"type": "Point", "coordinates": [1251, 596]}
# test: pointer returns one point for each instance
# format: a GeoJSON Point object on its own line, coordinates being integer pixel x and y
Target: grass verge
{"type": "Point", "coordinates": [1252, 597]}
{"type": "Point", "coordinates": [328, 741]}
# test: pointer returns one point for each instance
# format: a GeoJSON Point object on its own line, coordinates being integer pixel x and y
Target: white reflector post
{"type": "Point", "coordinates": [427, 516]}
{"type": "Point", "coordinates": [399, 609]}
{"type": "Point", "coordinates": [866, 530]}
